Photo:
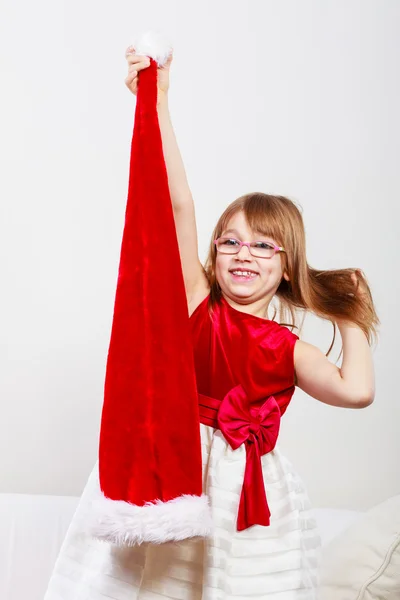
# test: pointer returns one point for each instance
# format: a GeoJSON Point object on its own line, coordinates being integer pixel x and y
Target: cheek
{"type": "Point", "coordinates": [220, 265]}
{"type": "Point", "coordinates": [273, 268]}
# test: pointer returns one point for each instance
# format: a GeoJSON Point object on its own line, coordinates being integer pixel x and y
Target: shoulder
{"type": "Point", "coordinates": [283, 333]}
{"type": "Point", "coordinates": [279, 342]}
{"type": "Point", "coordinates": [197, 300]}
{"type": "Point", "coordinates": [277, 347]}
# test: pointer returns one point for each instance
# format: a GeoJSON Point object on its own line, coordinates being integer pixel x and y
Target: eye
{"type": "Point", "coordinates": [229, 242]}
{"type": "Point", "coordinates": [263, 245]}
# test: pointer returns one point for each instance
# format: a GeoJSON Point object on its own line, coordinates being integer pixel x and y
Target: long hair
{"type": "Point", "coordinates": [328, 294]}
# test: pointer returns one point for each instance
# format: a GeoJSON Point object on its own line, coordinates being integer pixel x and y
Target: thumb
{"type": "Point", "coordinates": [167, 65]}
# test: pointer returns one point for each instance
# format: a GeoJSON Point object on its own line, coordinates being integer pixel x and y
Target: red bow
{"type": "Point", "coordinates": [258, 428]}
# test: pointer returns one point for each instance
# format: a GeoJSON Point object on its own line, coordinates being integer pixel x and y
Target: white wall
{"type": "Point", "coordinates": [289, 97]}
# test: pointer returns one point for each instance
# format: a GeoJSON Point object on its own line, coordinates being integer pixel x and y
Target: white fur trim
{"type": "Point", "coordinates": [126, 524]}
{"type": "Point", "coordinates": [154, 45]}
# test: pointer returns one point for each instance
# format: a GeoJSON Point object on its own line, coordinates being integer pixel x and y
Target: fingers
{"type": "Point", "coordinates": [133, 72]}
{"type": "Point", "coordinates": [167, 65]}
{"type": "Point", "coordinates": [360, 284]}
{"type": "Point", "coordinates": [136, 63]}
{"type": "Point", "coordinates": [141, 62]}
{"type": "Point", "coordinates": [136, 59]}
{"type": "Point", "coordinates": [358, 276]}
{"type": "Point", "coordinates": [131, 78]}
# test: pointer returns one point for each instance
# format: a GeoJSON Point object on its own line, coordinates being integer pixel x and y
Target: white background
{"type": "Point", "coordinates": [292, 97]}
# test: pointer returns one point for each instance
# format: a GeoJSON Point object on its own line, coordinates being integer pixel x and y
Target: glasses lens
{"type": "Point", "coordinates": [262, 249]}
{"type": "Point", "coordinates": [232, 246]}
{"type": "Point", "coordinates": [228, 245]}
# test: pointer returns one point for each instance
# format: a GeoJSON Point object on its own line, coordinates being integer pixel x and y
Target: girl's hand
{"type": "Point", "coordinates": [360, 286]}
{"type": "Point", "coordinates": [360, 289]}
{"type": "Point", "coordinates": [137, 63]}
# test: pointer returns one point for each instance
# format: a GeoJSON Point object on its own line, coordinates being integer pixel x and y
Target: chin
{"type": "Point", "coordinates": [238, 290]}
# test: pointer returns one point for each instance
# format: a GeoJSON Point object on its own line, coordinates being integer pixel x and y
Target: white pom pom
{"type": "Point", "coordinates": [154, 45]}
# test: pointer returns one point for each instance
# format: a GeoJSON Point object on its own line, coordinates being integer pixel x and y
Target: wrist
{"type": "Point", "coordinates": [350, 330]}
{"type": "Point", "coordinates": [342, 324]}
{"type": "Point", "coordinates": [162, 100]}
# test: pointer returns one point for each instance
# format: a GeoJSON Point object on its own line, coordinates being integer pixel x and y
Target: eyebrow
{"type": "Point", "coordinates": [237, 233]}
{"type": "Point", "coordinates": [231, 231]}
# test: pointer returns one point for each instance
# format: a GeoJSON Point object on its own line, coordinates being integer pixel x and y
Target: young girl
{"type": "Point", "coordinates": [257, 252]}
{"type": "Point", "coordinates": [264, 545]}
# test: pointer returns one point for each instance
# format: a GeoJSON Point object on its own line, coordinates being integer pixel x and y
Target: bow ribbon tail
{"type": "Point", "coordinates": [253, 506]}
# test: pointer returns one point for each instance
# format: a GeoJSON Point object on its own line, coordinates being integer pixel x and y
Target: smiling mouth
{"type": "Point", "coordinates": [243, 275]}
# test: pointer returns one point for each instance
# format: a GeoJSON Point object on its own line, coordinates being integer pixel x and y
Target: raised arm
{"type": "Point", "coordinates": [196, 283]}
{"type": "Point", "coordinates": [184, 211]}
{"type": "Point", "coordinates": [352, 385]}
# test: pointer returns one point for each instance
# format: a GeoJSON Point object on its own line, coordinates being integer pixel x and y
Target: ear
{"type": "Point", "coordinates": [286, 277]}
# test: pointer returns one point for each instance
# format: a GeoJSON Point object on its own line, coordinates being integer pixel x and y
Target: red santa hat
{"type": "Point", "coordinates": [149, 454]}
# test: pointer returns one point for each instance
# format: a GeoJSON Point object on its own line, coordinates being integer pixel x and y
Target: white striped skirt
{"type": "Point", "coordinates": [278, 562]}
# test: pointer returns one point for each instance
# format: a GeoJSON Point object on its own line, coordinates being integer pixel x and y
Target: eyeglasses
{"type": "Point", "coordinates": [226, 245]}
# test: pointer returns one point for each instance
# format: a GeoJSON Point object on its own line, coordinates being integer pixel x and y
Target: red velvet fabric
{"type": "Point", "coordinates": [258, 428]}
{"type": "Point", "coordinates": [245, 377]}
{"type": "Point", "coordinates": [149, 439]}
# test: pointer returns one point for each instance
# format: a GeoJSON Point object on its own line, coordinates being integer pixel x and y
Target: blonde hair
{"type": "Point", "coordinates": [329, 294]}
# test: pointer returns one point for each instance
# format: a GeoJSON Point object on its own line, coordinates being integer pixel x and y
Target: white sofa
{"type": "Point", "coordinates": [32, 528]}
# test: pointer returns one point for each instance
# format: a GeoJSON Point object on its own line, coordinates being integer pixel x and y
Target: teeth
{"type": "Point", "coordinates": [246, 273]}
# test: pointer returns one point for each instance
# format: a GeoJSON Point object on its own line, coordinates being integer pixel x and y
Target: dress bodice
{"type": "Point", "coordinates": [233, 347]}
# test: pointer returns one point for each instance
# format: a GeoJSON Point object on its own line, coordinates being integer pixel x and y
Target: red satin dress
{"type": "Point", "coordinates": [265, 542]}
{"type": "Point", "coordinates": [245, 380]}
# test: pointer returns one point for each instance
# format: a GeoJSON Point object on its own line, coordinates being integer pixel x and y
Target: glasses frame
{"type": "Point", "coordinates": [248, 244]}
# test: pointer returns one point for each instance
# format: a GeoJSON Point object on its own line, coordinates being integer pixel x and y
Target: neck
{"type": "Point", "coordinates": [257, 308]}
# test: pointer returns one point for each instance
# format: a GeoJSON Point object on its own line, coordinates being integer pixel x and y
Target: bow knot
{"type": "Point", "coordinates": [258, 429]}
{"type": "Point", "coordinates": [255, 428]}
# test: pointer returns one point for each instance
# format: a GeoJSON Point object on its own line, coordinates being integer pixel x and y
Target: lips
{"type": "Point", "coordinates": [243, 271]}
{"type": "Point", "coordinates": [243, 275]}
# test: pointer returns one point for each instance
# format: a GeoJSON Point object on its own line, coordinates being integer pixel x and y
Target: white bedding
{"type": "Point", "coordinates": [32, 529]}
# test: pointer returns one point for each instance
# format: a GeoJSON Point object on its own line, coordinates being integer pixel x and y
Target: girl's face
{"type": "Point", "coordinates": [266, 272]}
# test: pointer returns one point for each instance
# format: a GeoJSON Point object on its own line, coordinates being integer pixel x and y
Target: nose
{"type": "Point", "coordinates": [244, 253]}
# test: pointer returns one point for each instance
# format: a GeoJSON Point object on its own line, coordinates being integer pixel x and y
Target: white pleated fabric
{"type": "Point", "coordinates": [278, 562]}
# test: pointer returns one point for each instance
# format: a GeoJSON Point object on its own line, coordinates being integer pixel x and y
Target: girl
{"type": "Point", "coordinates": [257, 252]}
{"type": "Point", "coordinates": [265, 541]}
